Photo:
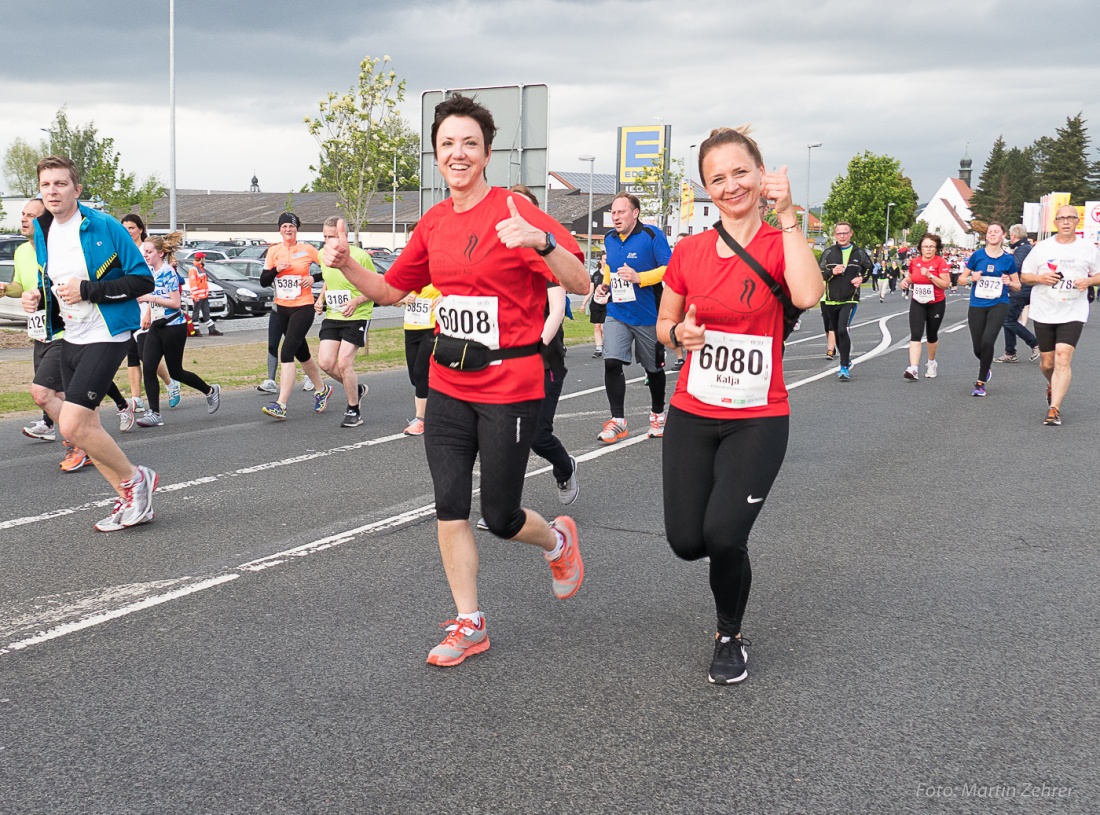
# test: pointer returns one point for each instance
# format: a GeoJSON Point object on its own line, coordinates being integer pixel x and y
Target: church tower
{"type": "Point", "coordinates": [964, 166]}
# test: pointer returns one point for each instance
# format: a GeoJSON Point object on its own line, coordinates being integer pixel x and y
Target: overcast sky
{"type": "Point", "coordinates": [916, 80]}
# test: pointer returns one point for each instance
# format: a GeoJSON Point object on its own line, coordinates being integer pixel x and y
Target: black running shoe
{"type": "Point", "coordinates": [727, 667]}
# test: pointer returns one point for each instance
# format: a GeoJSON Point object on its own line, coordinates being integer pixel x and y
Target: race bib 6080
{"type": "Point", "coordinates": [732, 370]}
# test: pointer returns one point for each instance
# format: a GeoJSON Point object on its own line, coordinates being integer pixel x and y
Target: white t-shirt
{"type": "Point", "coordinates": [1061, 303]}
{"type": "Point", "coordinates": [84, 324]}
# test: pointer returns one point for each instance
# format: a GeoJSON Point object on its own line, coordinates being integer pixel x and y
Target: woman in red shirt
{"type": "Point", "coordinates": [928, 276]}
{"type": "Point", "coordinates": [726, 433]}
{"type": "Point", "coordinates": [490, 254]}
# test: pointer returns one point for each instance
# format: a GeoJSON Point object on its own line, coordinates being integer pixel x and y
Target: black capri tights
{"type": "Point", "coordinates": [418, 354]}
{"type": "Point", "coordinates": [295, 322]}
{"type": "Point", "coordinates": [925, 318]}
{"type": "Point", "coordinates": [985, 327]}
{"type": "Point", "coordinates": [167, 342]}
{"type": "Point", "coordinates": [455, 433]}
{"type": "Point", "coordinates": [717, 473]}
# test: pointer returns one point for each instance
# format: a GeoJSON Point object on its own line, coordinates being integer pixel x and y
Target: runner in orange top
{"type": "Point", "coordinates": [200, 296]}
{"type": "Point", "coordinates": [287, 269]}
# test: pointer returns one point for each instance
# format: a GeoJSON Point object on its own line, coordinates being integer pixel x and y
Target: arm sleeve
{"type": "Point", "coordinates": [652, 277]}
{"type": "Point", "coordinates": [127, 287]}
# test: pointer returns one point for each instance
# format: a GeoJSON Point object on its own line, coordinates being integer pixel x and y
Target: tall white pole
{"type": "Point", "coordinates": [172, 115]}
{"type": "Point", "coordinates": [889, 207]}
{"type": "Point", "coordinates": [806, 214]}
{"type": "Point", "coordinates": [393, 214]}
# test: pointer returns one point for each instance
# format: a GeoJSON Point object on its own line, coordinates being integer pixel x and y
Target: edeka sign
{"type": "Point", "coordinates": [639, 148]}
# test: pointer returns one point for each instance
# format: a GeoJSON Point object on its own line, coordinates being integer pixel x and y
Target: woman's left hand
{"type": "Point", "coordinates": [514, 232]}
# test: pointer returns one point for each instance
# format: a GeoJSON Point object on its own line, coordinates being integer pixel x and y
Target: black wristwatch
{"type": "Point", "coordinates": [551, 245]}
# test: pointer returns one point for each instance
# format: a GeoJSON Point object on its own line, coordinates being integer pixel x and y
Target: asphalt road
{"type": "Point", "coordinates": [923, 617]}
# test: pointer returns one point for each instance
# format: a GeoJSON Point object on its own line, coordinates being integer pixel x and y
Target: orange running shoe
{"type": "Point", "coordinates": [463, 639]}
{"type": "Point", "coordinates": [613, 431]}
{"type": "Point", "coordinates": [568, 568]}
{"type": "Point", "coordinates": [75, 458]}
{"type": "Point", "coordinates": [415, 428]}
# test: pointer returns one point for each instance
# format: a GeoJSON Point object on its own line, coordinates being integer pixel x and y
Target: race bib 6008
{"type": "Point", "coordinates": [731, 370]}
{"type": "Point", "coordinates": [470, 318]}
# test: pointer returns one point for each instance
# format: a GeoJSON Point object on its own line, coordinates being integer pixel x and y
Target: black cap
{"type": "Point", "coordinates": [290, 218]}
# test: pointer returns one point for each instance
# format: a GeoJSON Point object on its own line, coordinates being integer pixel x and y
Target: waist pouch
{"type": "Point", "coordinates": [470, 355]}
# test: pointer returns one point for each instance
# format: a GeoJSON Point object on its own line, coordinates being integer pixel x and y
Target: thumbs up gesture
{"type": "Point", "coordinates": [336, 254]}
{"type": "Point", "coordinates": [514, 232]}
{"type": "Point", "coordinates": [776, 187]}
{"type": "Point", "coordinates": [692, 334]}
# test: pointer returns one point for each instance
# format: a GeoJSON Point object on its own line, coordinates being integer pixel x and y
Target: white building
{"type": "Point", "coordinates": [948, 211]}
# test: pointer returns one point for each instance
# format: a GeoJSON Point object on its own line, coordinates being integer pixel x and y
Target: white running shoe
{"type": "Point", "coordinates": [931, 369]}
{"type": "Point", "coordinates": [40, 430]}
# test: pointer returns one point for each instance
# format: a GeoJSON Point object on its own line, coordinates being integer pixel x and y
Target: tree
{"type": "Point", "coordinates": [358, 138]}
{"type": "Point", "coordinates": [1066, 167]}
{"type": "Point", "coordinates": [984, 200]}
{"type": "Point", "coordinates": [407, 149]}
{"type": "Point", "coordinates": [659, 187]}
{"type": "Point", "coordinates": [3, 212]}
{"type": "Point", "coordinates": [21, 167]}
{"type": "Point", "coordinates": [917, 231]}
{"type": "Point", "coordinates": [862, 196]}
{"type": "Point", "coordinates": [98, 164]}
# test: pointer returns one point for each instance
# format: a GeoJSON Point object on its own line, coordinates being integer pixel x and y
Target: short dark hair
{"type": "Point", "coordinates": [629, 196]}
{"type": "Point", "coordinates": [936, 239]}
{"type": "Point", "coordinates": [459, 105]}
{"type": "Point", "coordinates": [135, 219]}
{"type": "Point", "coordinates": [60, 163]}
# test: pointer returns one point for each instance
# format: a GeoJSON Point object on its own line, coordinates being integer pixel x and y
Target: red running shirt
{"type": "Point", "coordinates": [730, 297]}
{"type": "Point", "coordinates": [460, 254]}
{"type": "Point", "coordinates": [920, 270]}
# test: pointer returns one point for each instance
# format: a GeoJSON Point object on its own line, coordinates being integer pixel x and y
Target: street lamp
{"type": "Point", "coordinates": [171, 115]}
{"type": "Point", "coordinates": [591, 175]}
{"type": "Point", "coordinates": [806, 214]}
{"type": "Point", "coordinates": [691, 163]}
{"type": "Point", "coordinates": [889, 207]}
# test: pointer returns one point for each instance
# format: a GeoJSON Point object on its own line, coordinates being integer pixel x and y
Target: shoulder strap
{"type": "Point", "coordinates": [754, 264]}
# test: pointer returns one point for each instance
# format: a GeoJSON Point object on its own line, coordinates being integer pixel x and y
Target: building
{"type": "Point", "coordinates": [948, 211]}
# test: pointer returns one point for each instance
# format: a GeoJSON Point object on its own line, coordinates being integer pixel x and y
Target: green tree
{"type": "Point", "coordinates": [99, 165]}
{"type": "Point", "coordinates": [1066, 167]}
{"type": "Point", "coordinates": [1021, 186]}
{"type": "Point", "coordinates": [917, 231]}
{"type": "Point", "coordinates": [3, 212]}
{"type": "Point", "coordinates": [407, 149]}
{"type": "Point", "coordinates": [21, 167]}
{"type": "Point", "coordinates": [658, 187]}
{"type": "Point", "coordinates": [862, 196]}
{"type": "Point", "coordinates": [358, 138]}
{"type": "Point", "coordinates": [984, 200]}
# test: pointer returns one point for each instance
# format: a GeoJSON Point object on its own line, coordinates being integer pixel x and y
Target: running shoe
{"type": "Point", "coordinates": [126, 417]}
{"type": "Point", "coordinates": [40, 430]}
{"type": "Point", "coordinates": [137, 505]}
{"type": "Point", "coordinates": [415, 428]}
{"type": "Point", "coordinates": [911, 373]}
{"type": "Point", "coordinates": [830, 355]}
{"type": "Point", "coordinates": [151, 419]}
{"type": "Point", "coordinates": [276, 410]}
{"type": "Point", "coordinates": [1054, 418]}
{"type": "Point", "coordinates": [268, 386]}
{"type": "Point", "coordinates": [1007, 358]}
{"type": "Point", "coordinates": [569, 489]}
{"type": "Point", "coordinates": [174, 393]}
{"type": "Point", "coordinates": [1035, 354]}
{"type": "Point", "coordinates": [727, 666]}
{"type": "Point", "coordinates": [213, 332]}
{"type": "Point", "coordinates": [1050, 394]}
{"type": "Point", "coordinates": [797, 325]}
{"type": "Point", "coordinates": [989, 376]}
{"type": "Point", "coordinates": [352, 418]}
{"type": "Point", "coordinates": [138, 404]}
{"type": "Point", "coordinates": [307, 386]}
{"type": "Point", "coordinates": [979, 389]}
{"type": "Point", "coordinates": [568, 568]}
{"type": "Point", "coordinates": [214, 399]}
{"type": "Point", "coordinates": [613, 431]}
{"type": "Point", "coordinates": [597, 353]}
{"type": "Point", "coordinates": [320, 399]}
{"type": "Point", "coordinates": [464, 639]}
{"type": "Point", "coordinates": [484, 527]}
{"type": "Point", "coordinates": [678, 364]}
{"type": "Point", "coordinates": [656, 425]}
{"type": "Point", "coordinates": [844, 375]}
{"type": "Point", "coordinates": [931, 369]}
{"type": "Point", "coordinates": [75, 458]}
{"type": "Point", "coordinates": [113, 522]}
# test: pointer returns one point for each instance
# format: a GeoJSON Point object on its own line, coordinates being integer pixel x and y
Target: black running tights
{"type": "Point", "coordinates": [985, 327]}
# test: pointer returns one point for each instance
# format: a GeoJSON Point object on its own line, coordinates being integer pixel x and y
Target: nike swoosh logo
{"type": "Point", "coordinates": [755, 500]}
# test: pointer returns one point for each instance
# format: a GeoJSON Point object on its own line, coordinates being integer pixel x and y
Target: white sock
{"type": "Point", "coordinates": [557, 550]}
{"type": "Point", "coordinates": [475, 618]}
{"type": "Point", "coordinates": [725, 639]}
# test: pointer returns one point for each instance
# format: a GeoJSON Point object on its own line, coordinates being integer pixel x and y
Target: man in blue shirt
{"type": "Point", "coordinates": [637, 255]}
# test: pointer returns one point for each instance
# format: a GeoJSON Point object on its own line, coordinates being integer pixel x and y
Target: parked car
{"type": "Point", "coordinates": [219, 303]}
{"type": "Point", "coordinates": [8, 245]}
{"type": "Point", "coordinates": [249, 267]}
{"type": "Point", "coordinates": [257, 252]}
{"type": "Point", "coordinates": [11, 308]}
{"type": "Point", "coordinates": [245, 295]}
{"type": "Point", "coordinates": [211, 254]}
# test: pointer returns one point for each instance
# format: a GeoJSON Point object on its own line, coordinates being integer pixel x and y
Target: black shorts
{"type": "Point", "coordinates": [1052, 334]}
{"type": "Point", "coordinates": [455, 434]}
{"type": "Point", "coordinates": [47, 365]}
{"type": "Point", "coordinates": [88, 370]}
{"type": "Point", "coordinates": [597, 312]}
{"type": "Point", "coordinates": [353, 331]}
{"type": "Point", "coordinates": [295, 322]}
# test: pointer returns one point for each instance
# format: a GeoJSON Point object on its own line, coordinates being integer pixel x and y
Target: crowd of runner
{"type": "Point", "coordinates": [485, 352]}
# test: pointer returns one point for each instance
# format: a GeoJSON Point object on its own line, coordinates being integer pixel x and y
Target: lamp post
{"type": "Point", "coordinates": [393, 208]}
{"type": "Point", "coordinates": [172, 115]}
{"type": "Point", "coordinates": [806, 214]}
{"type": "Point", "coordinates": [591, 176]}
{"type": "Point", "coordinates": [889, 207]}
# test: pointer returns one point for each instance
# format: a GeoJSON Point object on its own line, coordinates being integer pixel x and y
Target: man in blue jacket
{"type": "Point", "coordinates": [90, 276]}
